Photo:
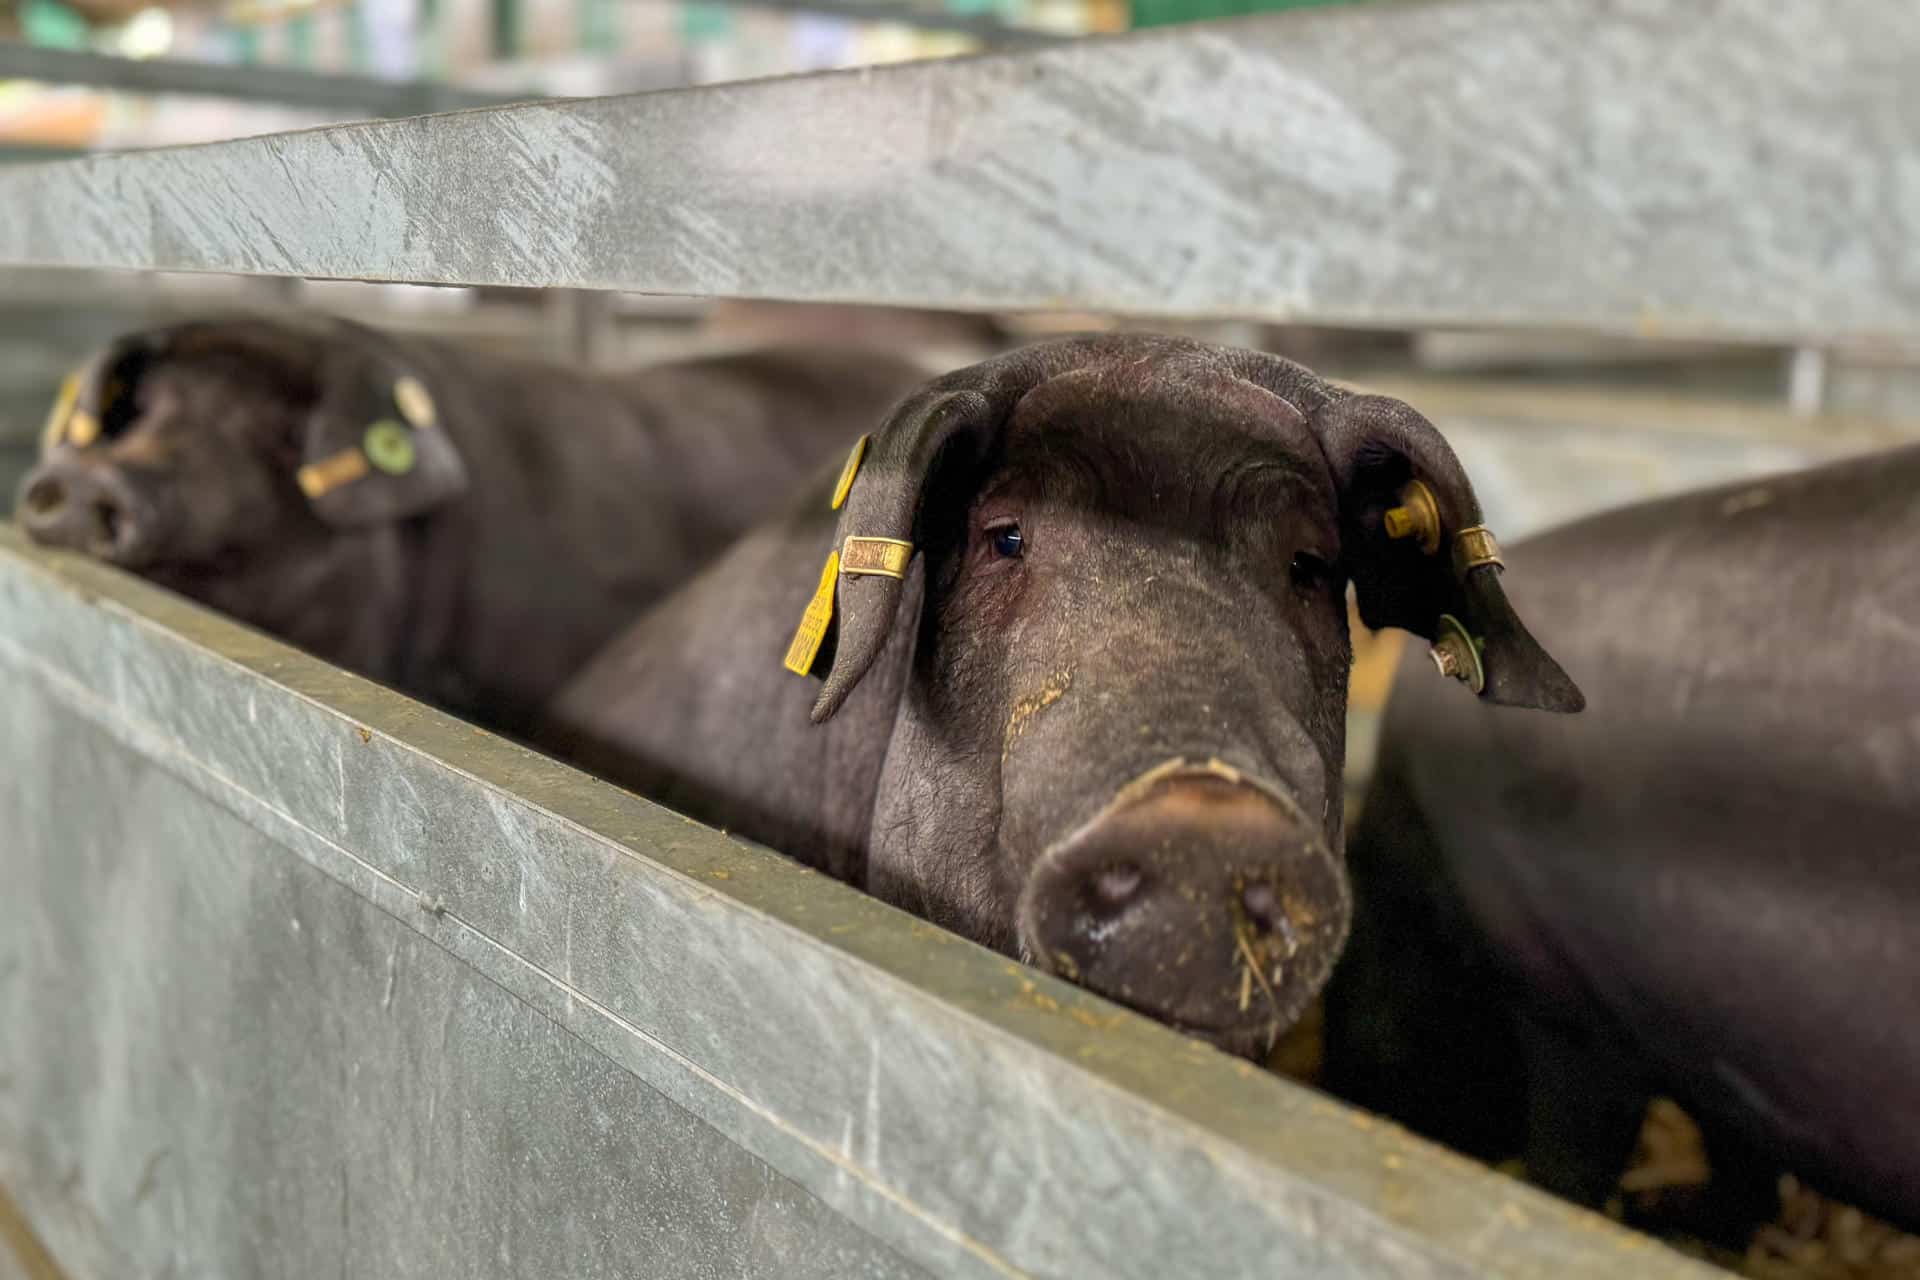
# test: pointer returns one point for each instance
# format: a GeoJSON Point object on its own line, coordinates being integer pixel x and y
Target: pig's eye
{"type": "Point", "coordinates": [1006, 539]}
{"type": "Point", "coordinates": [1309, 571]}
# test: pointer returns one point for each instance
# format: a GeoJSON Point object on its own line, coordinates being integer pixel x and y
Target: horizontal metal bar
{"type": "Point", "coordinates": [299, 976]}
{"type": "Point", "coordinates": [1643, 166]}
{"type": "Point", "coordinates": [352, 95]}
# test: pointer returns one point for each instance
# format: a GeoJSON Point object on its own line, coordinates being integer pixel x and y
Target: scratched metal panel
{"type": "Point", "coordinates": [297, 975]}
{"type": "Point", "coordinates": [1653, 166]}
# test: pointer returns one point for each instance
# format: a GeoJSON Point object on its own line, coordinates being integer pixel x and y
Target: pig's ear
{"type": "Point", "coordinates": [1419, 556]}
{"type": "Point", "coordinates": [957, 417]}
{"type": "Point", "coordinates": [880, 497]}
{"type": "Point", "coordinates": [375, 450]}
{"type": "Point", "coordinates": [104, 395]}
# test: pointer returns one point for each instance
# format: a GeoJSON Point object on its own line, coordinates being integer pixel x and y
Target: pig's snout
{"type": "Point", "coordinates": [84, 507]}
{"type": "Point", "coordinates": [1198, 897]}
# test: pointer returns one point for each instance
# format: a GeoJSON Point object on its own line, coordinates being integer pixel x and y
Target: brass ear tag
{"type": "Point", "coordinates": [56, 428]}
{"type": "Point", "coordinates": [884, 557]}
{"type": "Point", "coordinates": [807, 638]}
{"type": "Point", "coordinates": [1473, 547]}
{"type": "Point", "coordinates": [1457, 654]}
{"type": "Point", "coordinates": [410, 397]}
{"type": "Point", "coordinates": [323, 477]}
{"type": "Point", "coordinates": [1417, 516]}
{"type": "Point", "coordinates": [389, 446]}
{"type": "Point", "coordinates": [848, 472]}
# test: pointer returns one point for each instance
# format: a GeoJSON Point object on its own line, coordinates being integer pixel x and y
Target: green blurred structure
{"type": "Point", "coordinates": [1161, 13]}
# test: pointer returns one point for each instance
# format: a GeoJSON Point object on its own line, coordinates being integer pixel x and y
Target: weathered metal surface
{"type": "Point", "coordinates": [350, 96]}
{"type": "Point", "coordinates": [1661, 166]}
{"type": "Point", "coordinates": [297, 975]}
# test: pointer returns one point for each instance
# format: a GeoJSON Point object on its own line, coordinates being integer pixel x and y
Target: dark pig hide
{"type": "Point", "coordinates": [1084, 690]}
{"type": "Point", "coordinates": [467, 527]}
{"type": "Point", "coordinates": [1708, 887]}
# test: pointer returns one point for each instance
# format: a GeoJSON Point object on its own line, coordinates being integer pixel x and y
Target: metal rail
{"type": "Point", "coordinates": [1488, 162]}
{"type": "Point", "coordinates": [345, 94]}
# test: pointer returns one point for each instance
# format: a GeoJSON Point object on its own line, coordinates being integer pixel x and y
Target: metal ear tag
{"type": "Point", "coordinates": [1473, 547]}
{"type": "Point", "coordinates": [1457, 654]}
{"type": "Point", "coordinates": [848, 472]}
{"type": "Point", "coordinates": [807, 638]}
{"type": "Point", "coordinates": [1417, 516]}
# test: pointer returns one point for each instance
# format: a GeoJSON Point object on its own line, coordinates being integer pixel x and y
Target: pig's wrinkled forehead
{"type": "Point", "coordinates": [1185, 419]}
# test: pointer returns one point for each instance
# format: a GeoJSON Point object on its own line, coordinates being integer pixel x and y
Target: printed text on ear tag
{"type": "Point", "coordinates": [848, 472]}
{"type": "Point", "coordinates": [813, 623]}
{"type": "Point", "coordinates": [62, 410]}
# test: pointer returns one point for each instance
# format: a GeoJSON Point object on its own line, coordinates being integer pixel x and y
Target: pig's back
{"type": "Point", "coordinates": [1719, 854]}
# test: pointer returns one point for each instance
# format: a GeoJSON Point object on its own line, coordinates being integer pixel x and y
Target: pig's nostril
{"type": "Point", "coordinates": [106, 519]}
{"type": "Point", "coordinates": [1262, 905]}
{"type": "Point", "coordinates": [44, 497]}
{"type": "Point", "coordinates": [1114, 887]}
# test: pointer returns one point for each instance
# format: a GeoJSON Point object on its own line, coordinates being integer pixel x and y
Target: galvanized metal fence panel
{"type": "Point", "coordinates": [298, 974]}
{"type": "Point", "coordinates": [1646, 166]}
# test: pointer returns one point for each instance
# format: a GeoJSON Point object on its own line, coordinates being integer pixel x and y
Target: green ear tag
{"type": "Point", "coordinates": [389, 446]}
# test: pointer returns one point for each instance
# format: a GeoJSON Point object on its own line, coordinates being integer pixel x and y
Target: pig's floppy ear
{"type": "Point", "coordinates": [880, 494]}
{"type": "Point", "coordinates": [375, 449]}
{"type": "Point", "coordinates": [103, 395]}
{"type": "Point", "coordinates": [1421, 559]}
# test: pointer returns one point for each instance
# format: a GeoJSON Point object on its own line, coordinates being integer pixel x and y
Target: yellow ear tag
{"type": "Point", "coordinates": [415, 404]}
{"type": "Point", "coordinates": [318, 479]}
{"type": "Point", "coordinates": [62, 410]}
{"type": "Point", "coordinates": [82, 429]}
{"type": "Point", "coordinates": [1417, 516]}
{"type": "Point", "coordinates": [887, 557]}
{"type": "Point", "coordinates": [848, 472]}
{"type": "Point", "coordinates": [813, 623]}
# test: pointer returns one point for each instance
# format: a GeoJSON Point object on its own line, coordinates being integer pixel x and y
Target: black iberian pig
{"type": "Point", "coordinates": [1708, 886]}
{"type": "Point", "coordinates": [466, 527]}
{"type": "Point", "coordinates": [1085, 688]}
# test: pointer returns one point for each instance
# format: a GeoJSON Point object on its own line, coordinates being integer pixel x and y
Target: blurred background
{"type": "Point", "coordinates": [1552, 424]}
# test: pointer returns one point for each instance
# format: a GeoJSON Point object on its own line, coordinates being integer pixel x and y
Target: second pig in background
{"type": "Point", "coordinates": [466, 527]}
